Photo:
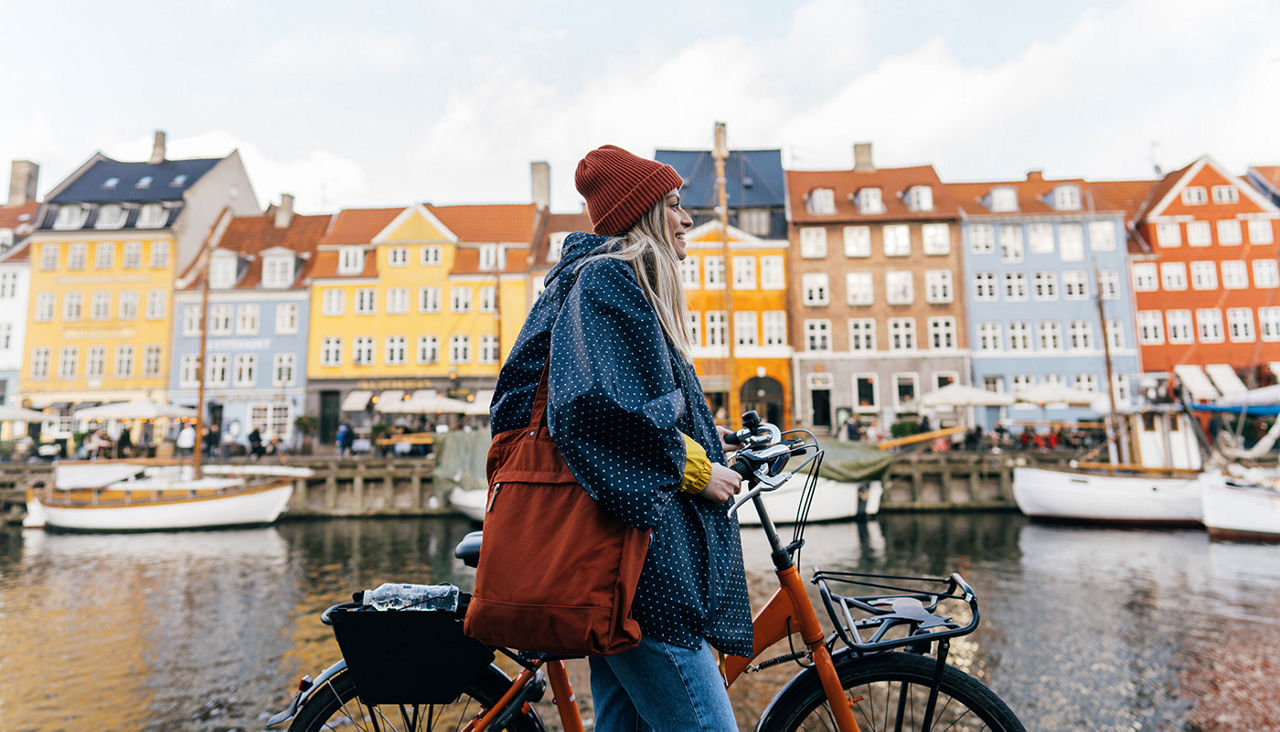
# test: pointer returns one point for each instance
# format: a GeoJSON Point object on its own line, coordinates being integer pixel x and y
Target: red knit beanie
{"type": "Point", "coordinates": [620, 187]}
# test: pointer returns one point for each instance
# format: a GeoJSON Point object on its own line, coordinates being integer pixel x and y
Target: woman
{"type": "Point", "coordinates": [629, 417]}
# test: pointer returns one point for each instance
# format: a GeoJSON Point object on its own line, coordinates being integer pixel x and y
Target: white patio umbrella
{"type": "Point", "coordinates": [480, 407]}
{"type": "Point", "coordinates": [960, 395]}
{"type": "Point", "coordinates": [1046, 394]}
{"type": "Point", "coordinates": [18, 414]}
{"type": "Point", "coordinates": [424, 403]}
{"type": "Point", "coordinates": [136, 409]}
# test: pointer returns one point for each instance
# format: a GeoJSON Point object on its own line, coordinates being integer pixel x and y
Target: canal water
{"type": "Point", "coordinates": [1082, 628]}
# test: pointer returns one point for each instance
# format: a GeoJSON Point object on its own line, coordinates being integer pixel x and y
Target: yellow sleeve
{"type": "Point", "coordinates": [697, 467]}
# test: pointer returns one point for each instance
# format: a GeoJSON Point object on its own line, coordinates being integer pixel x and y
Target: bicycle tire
{"type": "Point", "coordinates": [877, 683]}
{"type": "Point", "coordinates": [335, 706]}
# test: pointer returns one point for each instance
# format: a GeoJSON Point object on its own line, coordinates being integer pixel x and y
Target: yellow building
{"type": "Point", "coordinates": [761, 354]}
{"type": "Point", "coordinates": [410, 302]}
{"type": "Point", "coordinates": [103, 259]}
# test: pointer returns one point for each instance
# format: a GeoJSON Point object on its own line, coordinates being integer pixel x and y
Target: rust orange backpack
{"type": "Point", "coordinates": [557, 573]}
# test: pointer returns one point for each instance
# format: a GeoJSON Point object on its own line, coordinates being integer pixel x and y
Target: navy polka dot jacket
{"type": "Point", "coordinates": [619, 398]}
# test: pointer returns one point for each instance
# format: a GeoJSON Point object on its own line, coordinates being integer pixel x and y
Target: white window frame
{"type": "Point", "coordinates": [398, 256]}
{"type": "Point", "coordinates": [1229, 233]}
{"type": "Point", "coordinates": [1015, 286]}
{"type": "Point", "coordinates": [366, 301]}
{"type": "Point", "coordinates": [1261, 231]}
{"type": "Point", "coordinates": [862, 335]}
{"type": "Point", "coordinates": [744, 272]}
{"type": "Point", "coordinates": [902, 334]}
{"type": "Point", "coordinates": [1266, 274]}
{"type": "Point", "coordinates": [816, 288]}
{"type": "Point", "coordinates": [287, 318]}
{"type": "Point", "coordinates": [248, 319]}
{"type": "Point", "coordinates": [127, 305]}
{"type": "Point", "coordinates": [1235, 275]}
{"type": "Point", "coordinates": [985, 287]}
{"type": "Point", "coordinates": [713, 272]}
{"type": "Point", "coordinates": [860, 288]}
{"type": "Point", "coordinates": [817, 335]}
{"type": "Point", "coordinates": [773, 272]}
{"type": "Point", "coordinates": [1146, 277]}
{"type": "Point", "coordinates": [428, 349]}
{"type": "Point", "coordinates": [857, 241]}
{"type": "Point", "coordinates": [1199, 234]}
{"type": "Point", "coordinates": [1204, 275]}
{"type": "Point", "coordinates": [395, 350]}
{"type": "Point", "coordinates": [1011, 247]}
{"type": "Point", "coordinates": [939, 287]}
{"type": "Point", "coordinates": [896, 239]}
{"type": "Point", "coordinates": [350, 260]}
{"type": "Point", "coordinates": [1209, 325]}
{"type": "Point", "coordinates": [689, 275]}
{"type": "Point", "coordinates": [397, 300]}
{"type": "Point", "coordinates": [160, 250]}
{"type": "Point", "coordinates": [488, 349]}
{"type": "Point", "coordinates": [1169, 234]}
{"type": "Point", "coordinates": [942, 333]}
{"type": "Point", "coordinates": [333, 301]}
{"type": "Point", "coordinates": [899, 287]}
{"type": "Point", "coordinates": [813, 242]}
{"type": "Point", "coordinates": [774, 327]}
{"type": "Point", "coordinates": [460, 349]}
{"type": "Point", "coordinates": [284, 369]}
{"type": "Point", "coordinates": [982, 238]}
{"type": "Point", "coordinates": [429, 299]}
{"type": "Point", "coordinates": [460, 299]}
{"type": "Point", "coordinates": [1150, 327]}
{"type": "Point", "coordinates": [1173, 276]}
{"type": "Point", "coordinates": [221, 319]}
{"type": "Point", "coordinates": [331, 351]}
{"type": "Point", "coordinates": [362, 351]}
{"type": "Point", "coordinates": [431, 256]}
{"type": "Point", "coordinates": [1044, 285]}
{"type": "Point", "coordinates": [1179, 326]}
{"type": "Point", "coordinates": [1240, 325]}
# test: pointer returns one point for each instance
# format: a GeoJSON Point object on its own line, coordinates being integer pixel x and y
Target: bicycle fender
{"type": "Point", "coordinates": [794, 689]}
{"type": "Point", "coordinates": [302, 696]}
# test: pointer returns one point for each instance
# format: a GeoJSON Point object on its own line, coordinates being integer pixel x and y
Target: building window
{"type": "Point", "coordinates": [431, 256]}
{"type": "Point", "coordinates": [813, 242]}
{"type": "Point", "coordinates": [1004, 199]}
{"type": "Point", "coordinates": [6, 335]}
{"type": "Point", "coordinates": [1102, 236]}
{"type": "Point", "coordinates": [124, 362]}
{"type": "Point", "coordinates": [857, 241]}
{"type": "Point", "coordinates": [72, 306]}
{"type": "Point", "coordinates": [1144, 277]}
{"type": "Point", "coordinates": [1015, 286]}
{"type": "Point", "coordinates": [689, 273]}
{"type": "Point", "coordinates": [870, 201]}
{"type": "Point", "coordinates": [1204, 276]}
{"type": "Point", "coordinates": [273, 419]}
{"type": "Point", "coordinates": [1066, 198]}
{"type": "Point", "coordinates": [488, 299]}
{"type": "Point", "coordinates": [754, 221]}
{"type": "Point", "coordinates": [862, 334]}
{"type": "Point", "coordinates": [247, 319]}
{"type": "Point", "coordinates": [936, 238]}
{"type": "Point", "coordinates": [366, 301]}
{"type": "Point", "coordinates": [8, 284]}
{"type": "Point", "coordinates": [989, 336]}
{"type": "Point", "coordinates": [397, 350]}
{"type": "Point", "coordinates": [460, 299]}
{"type": "Point", "coordinates": [362, 351]}
{"type": "Point", "coordinates": [428, 299]}
{"type": "Point", "coordinates": [1260, 231]}
{"type": "Point", "coordinates": [822, 201]}
{"type": "Point", "coordinates": [398, 256]}
{"type": "Point", "coordinates": [1229, 232]}
{"type": "Point", "coordinates": [40, 356]}
{"type": "Point", "coordinates": [745, 330]}
{"type": "Point", "coordinates": [920, 198]}
{"type": "Point", "coordinates": [151, 215]}
{"type": "Point", "coordinates": [773, 272]}
{"type": "Point", "coordinates": [993, 384]}
{"type": "Point", "coordinates": [44, 306]}
{"type": "Point", "coordinates": [331, 351]}
{"type": "Point", "coordinates": [1235, 275]}
{"type": "Point", "coordinates": [816, 289]}
{"type": "Point", "coordinates": [104, 255]}
{"type": "Point", "coordinates": [350, 260]}
{"type": "Point", "coordinates": [1045, 285]}
{"type": "Point", "coordinates": [157, 302]}
{"type": "Point", "coordinates": [1071, 242]}
{"type": "Point", "coordinates": [942, 333]}
{"type": "Point", "coordinates": [160, 254]}
{"type": "Point", "coordinates": [1050, 335]}
{"type": "Point", "coordinates": [1173, 275]}
{"type": "Point", "coordinates": [490, 257]}
{"type": "Point", "coordinates": [902, 334]}
{"type": "Point", "coordinates": [68, 362]}
{"type": "Point", "coordinates": [1019, 336]}
{"type": "Point", "coordinates": [1194, 196]}
{"type": "Point", "coordinates": [277, 270]}
{"type": "Point", "coordinates": [1240, 325]}
{"type": "Point", "coordinates": [693, 323]}
{"type": "Point", "coordinates": [220, 318]}
{"type": "Point", "coordinates": [128, 308]}
{"type": "Point", "coordinates": [460, 349]}
{"type": "Point", "coordinates": [904, 391]}
{"type": "Point", "coordinates": [861, 287]}
{"type": "Point", "coordinates": [246, 369]}
{"type": "Point", "coordinates": [774, 323]}
{"type": "Point", "coordinates": [714, 271]}
{"type": "Point", "coordinates": [865, 393]}
{"type": "Point", "coordinates": [1150, 327]}
{"type": "Point", "coordinates": [286, 318]}
{"type": "Point", "coordinates": [1269, 323]}
{"type": "Point", "coordinates": [716, 325]}
{"type": "Point", "coordinates": [70, 216]}
{"type": "Point", "coordinates": [1178, 323]}
{"type": "Point", "coordinates": [333, 302]}
{"type": "Point", "coordinates": [488, 349]}
{"type": "Point", "coordinates": [1040, 238]}
{"type": "Point", "coordinates": [984, 287]}
{"type": "Point", "coordinates": [189, 370]}
{"type": "Point", "coordinates": [398, 300]}
{"type": "Point", "coordinates": [897, 240]}
{"type": "Point", "coordinates": [77, 252]}
{"type": "Point", "coordinates": [1225, 194]}
{"type": "Point", "coordinates": [151, 361]}
{"type": "Point", "coordinates": [48, 257]}
{"type": "Point", "coordinates": [1265, 273]}
{"type": "Point", "coordinates": [744, 273]}
{"type": "Point", "coordinates": [428, 349]}
{"type": "Point", "coordinates": [1011, 243]}
{"type": "Point", "coordinates": [100, 306]}
{"type": "Point", "coordinates": [1075, 284]}
{"type": "Point", "coordinates": [1115, 333]}
{"type": "Point", "coordinates": [1109, 284]}
{"type": "Point", "coordinates": [817, 335]}
{"type": "Point", "coordinates": [1199, 234]}
{"type": "Point", "coordinates": [1209, 324]}
{"type": "Point", "coordinates": [982, 238]}
{"type": "Point", "coordinates": [1086, 382]}
{"type": "Point", "coordinates": [1081, 334]}
{"type": "Point", "coordinates": [938, 286]}
{"type": "Point", "coordinates": [899, 287]}
{"type": "Point", "coordinates": [1169, 234]}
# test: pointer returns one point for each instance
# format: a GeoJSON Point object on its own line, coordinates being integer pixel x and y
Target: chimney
{"type": "Point", "coordinates": [23, 177]}
{"type": "Point", "coordinates": [1035, 176]}
{"type": "Point", "coordinates": [541, 173]}
{"type": "Point", "coordinates": [862, 157]}
{"type": "Point", "coordinates": [157, 149]}
{"type": "Point", "coordinates": [284, 212]}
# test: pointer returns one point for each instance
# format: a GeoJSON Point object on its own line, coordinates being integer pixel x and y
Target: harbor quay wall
{"type": "Point", "coordinates": [366, 486]}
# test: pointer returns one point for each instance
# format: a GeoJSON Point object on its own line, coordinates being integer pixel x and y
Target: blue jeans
{"type": "Point", "coordinates": [660, 686]}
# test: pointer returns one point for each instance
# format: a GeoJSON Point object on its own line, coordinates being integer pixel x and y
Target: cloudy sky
{"type": "Point", "coordinates": [386, 103]}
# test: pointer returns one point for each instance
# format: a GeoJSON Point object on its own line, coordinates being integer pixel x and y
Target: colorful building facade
{"type": "Point", "coordinates": [17, 220]}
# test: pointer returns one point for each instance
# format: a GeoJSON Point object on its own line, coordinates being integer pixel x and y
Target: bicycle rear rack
{"type": "Point", "coordinates": [906, 614]}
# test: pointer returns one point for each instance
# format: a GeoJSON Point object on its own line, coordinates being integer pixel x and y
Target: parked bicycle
{"type": "Point", "coordinates": [882, 667]}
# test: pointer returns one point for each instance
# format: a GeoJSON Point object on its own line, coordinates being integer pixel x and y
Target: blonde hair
{"type": "Point", "coordinates": [648, 248]}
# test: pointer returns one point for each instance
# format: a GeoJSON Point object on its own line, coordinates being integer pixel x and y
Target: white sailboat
{"type": "Point", "coordinates": [1241, 502]}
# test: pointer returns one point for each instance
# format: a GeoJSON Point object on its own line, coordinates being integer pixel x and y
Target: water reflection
{"type": "Point", "coordinates": [1082, 628]}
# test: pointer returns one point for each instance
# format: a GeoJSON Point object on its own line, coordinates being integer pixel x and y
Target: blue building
{"type": "Point", "coordinates": [1037, 253]}
{"type": "Point", "coordinates": [259, 301]}
{"type": "Point", "coordinates": [755, 188]}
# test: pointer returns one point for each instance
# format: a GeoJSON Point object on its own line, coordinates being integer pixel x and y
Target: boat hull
{"type": "Point", "coordinates": [1235, 510]}
{"type": "Point", "coordinates": [247, 507]}
{"type": "Point", "coordinates": [1067, 495]}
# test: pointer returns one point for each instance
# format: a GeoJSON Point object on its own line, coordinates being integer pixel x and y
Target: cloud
{"type": "Point", "coordinates": [307, 50]}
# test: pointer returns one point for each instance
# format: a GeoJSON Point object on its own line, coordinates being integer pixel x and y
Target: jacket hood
{"type": "Point", "coordinates": [577, 246]}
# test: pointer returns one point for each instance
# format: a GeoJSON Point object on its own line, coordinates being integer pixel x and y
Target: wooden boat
{"type": "Point", "coordinates": [1109, 494]}
{"type": "Point", "coordinates": [146, 496]}
{"type": "Point", "coordinates": [1241, 504]}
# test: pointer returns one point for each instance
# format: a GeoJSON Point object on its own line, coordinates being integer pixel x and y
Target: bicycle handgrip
{"type": "Point", "coordinates": [741, 468]}
{"type": "Point", "coordinates": [732, 438]}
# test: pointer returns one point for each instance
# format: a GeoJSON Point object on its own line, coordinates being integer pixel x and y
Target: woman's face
{"type": "Point", "coordinates": [678, 223]}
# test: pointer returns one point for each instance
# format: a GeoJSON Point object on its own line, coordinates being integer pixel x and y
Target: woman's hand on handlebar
{"type": "Point", "coordinates": [723, 485]}
{"type": "Point", "coordinates": [728, 446]}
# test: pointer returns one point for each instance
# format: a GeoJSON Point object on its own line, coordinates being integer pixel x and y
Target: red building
{"type": "Point", "coordinates": [1205, 279]}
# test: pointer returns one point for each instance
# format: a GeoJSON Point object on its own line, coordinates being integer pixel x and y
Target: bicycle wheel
{"type": "Point", "coordinates": [336, 707]}
{"type": "Point", "coordinates": [891, 692]}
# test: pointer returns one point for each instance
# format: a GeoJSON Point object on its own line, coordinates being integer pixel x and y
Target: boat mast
{"type": "Point", "coordinates": [1115, 428]}
{"type": "Point", "coordinates": [197, 471]}
{"type": "Point", "coordinates": [720, 153]}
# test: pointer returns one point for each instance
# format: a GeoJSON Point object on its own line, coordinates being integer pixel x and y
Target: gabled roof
{"type": "Point", "coordinates": [892, 182]}
{"type": "Point", "coordinates": [753, 178]}
{"type": "Point", "coordinates": [551, 223]}
{"type": "Point", "coordinates": [1173, 184]}
{"type": "Point", "coordinates": [250, 236]}
{"type": "Point", "coordinates": [20, 252]}
{"type": "Point", "coordinates": [358, 225]}
{"type": "Point", "coordinates": [1162, 188]}
{"type": "Point", "coordinates": [13, 217]}
{"type": "Point", "coordinates": [1129, 195]}
{"type": "Point", "coordinates": [168, 181]}
{"type": "Point", "coordinates": [493, 223]}
{"type": "Point", "coordinates": [1035, 196]}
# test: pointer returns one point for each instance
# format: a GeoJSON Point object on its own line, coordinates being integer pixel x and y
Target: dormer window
{"type": "Point", "coordinates": [1004, 199]}
{"type": "Point", "coordinates": [222, 270]}
{"type": "Point", "coordinates": [144, 182]}
{"type": "Point", "coordinates": [110, 184]}
{"type": "Point", "coordinates": [870, 201]}
{"type": "Point", "coordinates": [490, 257]}
{"type": "Point", "coordinates": [1066, 198]}
{"type": "Point", "coordinates": [70, 216]}
{"type": "Point", "coordinates": [151, 216]}
{"type": "Point", "coordinates": [178, 181]}
{"type": "Point", "coordinates": [822, 201]}
{"type": "Point", "coordinates": [555, 246]}
{"type": "Point", "coordinates": [1225, 194]}
{"type": "Point", "coordinates": [6, 238]}
{"type": "Point", "coordinates": [1194, 196]}
{"type": "Point", "coordinates": [110, 216]}
{"type": "Point", "coordinates": [277, 270]}
{"type": "Point", "coordinates": [920, 198]}
{"type": "Point", "coordinates": [350, 260]}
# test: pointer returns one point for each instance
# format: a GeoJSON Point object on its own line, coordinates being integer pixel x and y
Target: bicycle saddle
{"type": "Point", "coordinates": [468, 550]}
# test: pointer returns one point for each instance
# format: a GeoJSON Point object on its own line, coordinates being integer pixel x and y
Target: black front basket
{"type": "Point", "coordinates": [409, 656]}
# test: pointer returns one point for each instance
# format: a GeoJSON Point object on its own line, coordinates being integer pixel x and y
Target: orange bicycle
{"type": "Point", "coordinates": [414, 670]}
